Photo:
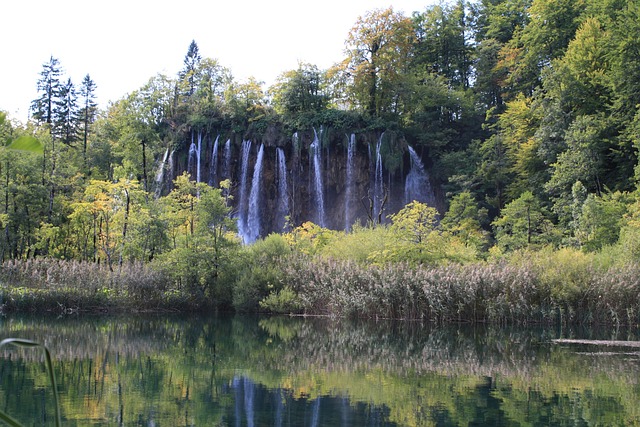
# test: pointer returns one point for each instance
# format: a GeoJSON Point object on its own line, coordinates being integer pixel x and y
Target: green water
{"type": "Point", "coordinates": [257, 371]}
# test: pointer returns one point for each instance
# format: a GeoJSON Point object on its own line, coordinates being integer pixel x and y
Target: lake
{"type": "Point", "coordinates": [166, 370]}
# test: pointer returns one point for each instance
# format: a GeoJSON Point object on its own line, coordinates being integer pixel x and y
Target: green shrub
{"type": "Point", "coordinates": [282, 301]}
{"type": "Point", "coordinates": [259, 271]}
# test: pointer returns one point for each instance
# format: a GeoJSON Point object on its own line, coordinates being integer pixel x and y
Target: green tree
{"type": "Point", "coordinates": [138, 128]}
{"type": "Point", "coordinates": [624, 59]}
{"type": "Point", "coordinates": [464, 220]}
{"type": "Point", "coordinates": [442, 46]}
{"type": "Point", "coordinates": [517, 127]}
{"type": "Point", "coordinates": [187, 76]}
{"type": "Point", "coordinates": [434, 114]}
{"type": "Point", "coordinates": [584, 161]}
{"type": "Point", "coordinates": [106, 220]}
{"type": "Point", "coordinates": [552, 25]}
{"type": "Point", "coordinates": [523, 223]}
{"type": "Point", "coordinates": [494, 170]}
{"type": "Point", "coordinates": [580, 78]}
{"type": "Point", "coordinates": [87, 113]}
{"type": "Point", "coordinates": [244, 103]}
{"type": "Point", "coordinates": [204, 240]}
{"type": "Point", "coordinates": [207, 102]}
{"type": "Point", "coordinates": [496, 24]}
{"type": "Point", "coordinates": [42, 108]}
{"type": "Point", "coordinates": [414, 237]}
{"type": "Point", "coordinates": [377, 48]}
{"type": "Point", "coordinates": [601, 220]}
{"type": "Point", "coordinates": [23, 196]}
{"type": "Point", "coordinates": [66, 119]}
{"type": "Point", "coordinates": [299, 91]}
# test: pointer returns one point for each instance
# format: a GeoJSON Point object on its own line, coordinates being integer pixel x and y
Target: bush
{"type": "Point", "coordinates": [259, 272]}
{"type": "Point", "coordinates": [283, 301]}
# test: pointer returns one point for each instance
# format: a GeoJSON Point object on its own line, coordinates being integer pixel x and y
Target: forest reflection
{"type": "Point", "coordinates": [253, 371]}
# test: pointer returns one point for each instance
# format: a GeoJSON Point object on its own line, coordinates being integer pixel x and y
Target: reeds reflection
{"type": "Point", "coordinates": [246, 370]}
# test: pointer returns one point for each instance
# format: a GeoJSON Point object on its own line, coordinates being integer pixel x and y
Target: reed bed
{"type": "Point", "coordinates": [45, 284]}
{"type": "Point", "coordinates": [498, 292]}
{"type": "Point", "coordinates": [543, 288]}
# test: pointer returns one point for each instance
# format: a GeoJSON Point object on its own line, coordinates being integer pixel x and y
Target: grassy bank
{"type": "Point", "coordinates": [545, 287]}
{"type": "Point", "coordinates": [48, 285]}
{"type": "Point", "coordinates": [549, 287]}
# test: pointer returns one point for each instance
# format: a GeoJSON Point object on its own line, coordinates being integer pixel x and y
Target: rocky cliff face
{"type": "Point", "coordinates": [334, 180]}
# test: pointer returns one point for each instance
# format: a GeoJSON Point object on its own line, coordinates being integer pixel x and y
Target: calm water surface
{"type": "Point", "coordinates": [258, 371]}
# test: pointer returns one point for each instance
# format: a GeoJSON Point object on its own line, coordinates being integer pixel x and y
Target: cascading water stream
{"type": "Point", "coordinates": [170, 165]}
{"type": "Point", "coordinates": [192, 157]}
{"type": "Point", "coordinates": [254, 221]}
{"type": "Point", "coordinates": [226, 166]}
{"type": "Point", "coordinates": [213, 168]}
{"type": "Point", "coordinates": [283, 193]}
{"type": "Point", "coordinates": [351, 149]}
{"type": "Point", "coordinates": [160, 174]}
{"type": "Point", "coordinates": [317, 177]}
{"type": "Point", "coordinates": [242, 203]}
{"type": "Point", "coordinates": [417, 185]}
{"type": "Point", "coordinates": [198, 152]}
{"type": "Point", "coordinates": [378, 191]}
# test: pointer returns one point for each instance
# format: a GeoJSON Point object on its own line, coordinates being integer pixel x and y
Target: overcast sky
{"type": "Point", "coordinates": [123, 43]}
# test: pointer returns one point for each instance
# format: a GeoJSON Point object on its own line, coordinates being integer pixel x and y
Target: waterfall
{"type": "Point", "coordinates": [170, 167]}
{"type": "Point", "coordinates": [283, 193]}
{"type": "Point", "coordinates": [349, 184]}
{"type": "Point", "coordinates": [295, 178]}
{"type": "Point", "coordinates": [213, 168]}
{"type": "Point", "coordinates": [417, 186]}
{"type": "Point", "coordinates": [160, 174]}
{"type": "Point", "coordinates": [198, 151]}
{"type": "Point", "coordinates": [378, 190]}
{"type": "Point", "coordinates": [242, 203]}
{"type": "Point", "coordinates": [226, 166]}
{"type": "Point", "coordinates": [192, 156]}
{"type": "Point", "coordinates": [252, 231]}
{"type": "Point", "coordinates": [317, 175]}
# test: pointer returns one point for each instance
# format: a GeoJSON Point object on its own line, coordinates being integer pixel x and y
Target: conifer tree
{"type": "Point", "coordinates": [49, 90]}
{"type": "Point", "coordinates": [188, 73]}
{"type": "Point", "coordinates": [66, 114]}
{"type": "Point", "coordinates": [88, 111]}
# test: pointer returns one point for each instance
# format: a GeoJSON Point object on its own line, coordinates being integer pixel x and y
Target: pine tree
{"type": "Point", "coordinates": [188, 73]}
{"type": "Point", "coordinates": [66, 114]}
{"type": "Point", "coordinates": [88, 111]}
{"type": "Point", "coordinates": [48, 88]}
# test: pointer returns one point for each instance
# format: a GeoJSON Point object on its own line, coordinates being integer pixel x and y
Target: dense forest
{"type": "Point", "coordinates": [526, 113]}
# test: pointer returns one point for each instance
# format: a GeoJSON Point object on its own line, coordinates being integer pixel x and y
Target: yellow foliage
{"type": "Point", "coordinates": [309, 238]}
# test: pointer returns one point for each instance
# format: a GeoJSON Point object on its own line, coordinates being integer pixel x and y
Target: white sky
{"type": "Point", "coordinates": [123, 43]}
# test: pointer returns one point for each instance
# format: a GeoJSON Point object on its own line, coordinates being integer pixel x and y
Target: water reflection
{"type": "Point", "coordinates": [250, 371]}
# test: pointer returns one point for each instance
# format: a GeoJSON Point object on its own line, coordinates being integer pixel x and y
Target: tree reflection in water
{"type": "Point", "coordinates": [249, 371]}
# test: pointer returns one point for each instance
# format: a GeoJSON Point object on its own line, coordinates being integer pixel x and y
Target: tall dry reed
{"type": "Point", "coordinates": [499, 292]}
{"type": "Point", "coordinates": [56, 285]}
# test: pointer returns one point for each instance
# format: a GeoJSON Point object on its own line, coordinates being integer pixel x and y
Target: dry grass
{"type": "Point", "coordinates": [45, 284]}
{"type": "Point", "coordinates": [501, 292]}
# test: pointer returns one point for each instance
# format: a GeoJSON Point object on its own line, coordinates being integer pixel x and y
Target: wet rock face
{"type": "Point", "coordinates": [347, 182]}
